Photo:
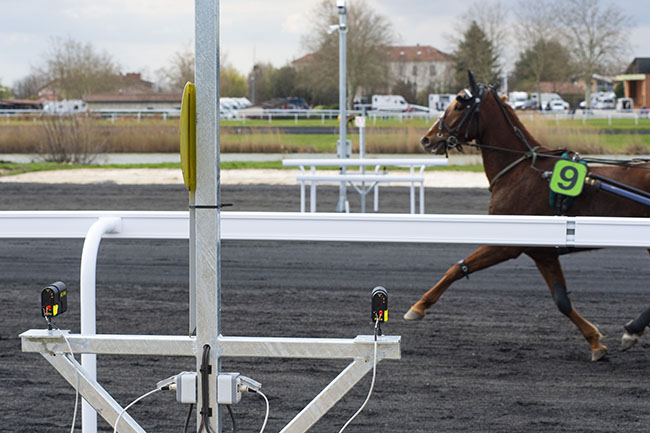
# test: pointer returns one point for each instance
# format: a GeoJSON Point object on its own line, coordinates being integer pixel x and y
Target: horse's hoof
{"type": "Point", "coordinates": [598, 354]}
{"type": "Point", "coordinates": [628, 340]}
{"type": "Point", "coordinates": [413, 315]}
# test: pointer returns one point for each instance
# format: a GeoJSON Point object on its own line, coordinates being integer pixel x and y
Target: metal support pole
{"type": "Point", "coordinates": [92, 391]}
{"type": "Point", "coordinates": [88, 306]}
{"type": "Point", "coordinates": [342, 145]}
{"type": "Point", "coordinates": [206, 243]}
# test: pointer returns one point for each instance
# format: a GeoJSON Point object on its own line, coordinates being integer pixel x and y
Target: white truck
{"type": "Point", "coordinates": [389, 103]}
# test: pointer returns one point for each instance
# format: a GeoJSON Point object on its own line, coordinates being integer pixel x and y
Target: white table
{"type": "Point", "coordinates": [358, 180]}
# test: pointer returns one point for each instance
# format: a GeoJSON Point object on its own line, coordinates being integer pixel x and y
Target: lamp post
{"type": "Point", "coordinates": [342, 146]}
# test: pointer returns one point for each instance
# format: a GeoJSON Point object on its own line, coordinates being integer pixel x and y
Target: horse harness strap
{"type": "Point", "coordinates": [515, 163]}
{"type": "Point", "coordinates": [464, 269]}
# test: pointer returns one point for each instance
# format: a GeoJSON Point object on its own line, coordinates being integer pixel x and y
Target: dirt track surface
{"type": "Point", "coordinates": [494, 355]}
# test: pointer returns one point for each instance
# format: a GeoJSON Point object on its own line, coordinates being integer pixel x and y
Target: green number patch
{"type": "Point", "coordinates": [568, 178]}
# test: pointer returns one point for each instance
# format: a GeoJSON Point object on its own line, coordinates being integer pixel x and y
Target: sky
{"type": "Point", "coordinates": [143, 35]}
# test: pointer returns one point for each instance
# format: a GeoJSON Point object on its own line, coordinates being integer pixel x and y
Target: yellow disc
{"type": "Point", "coordinates": [188, 136]}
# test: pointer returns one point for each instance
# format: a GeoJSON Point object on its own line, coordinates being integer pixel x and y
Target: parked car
{"type": "Point", "coordinates": [557, 105]}
{"type": "Point", "coordinates": [530, 104]}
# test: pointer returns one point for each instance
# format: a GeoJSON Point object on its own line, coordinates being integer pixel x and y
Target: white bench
{"type": "Point", "coordinates": [363, 182]}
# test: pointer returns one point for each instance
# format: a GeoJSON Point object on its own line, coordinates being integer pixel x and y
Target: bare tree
{"type": "Point", "coordinates": [71, 139]}
{"type": "Point", "coordinates": [75, 68]}
{"type": "Point", "coordinates": [535, 27]}
{"type": "Point", "coordinates": [597, 36]}
{"type": "Point", "coordinates": [28, 86]}
{"type": "Point", "coordinates": [369, 33]}
{"type": "Point", "coordinates": [179, 71]}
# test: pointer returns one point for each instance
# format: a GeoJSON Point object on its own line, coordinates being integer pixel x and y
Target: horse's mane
{"type": "Point", "coordinates": [518, 123]}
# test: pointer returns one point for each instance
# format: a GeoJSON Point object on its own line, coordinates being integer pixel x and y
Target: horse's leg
{"type": "Point", "coordinates": [482, 258]}
{"type": "Point", "coordinates": [634, 330]}
{"type": "Point", "coordinates": [550, 268]}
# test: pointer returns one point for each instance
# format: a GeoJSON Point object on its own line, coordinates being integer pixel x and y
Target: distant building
{"type": "Point", "coordinates": [599, 83]}
{"type": "Point", "coordinates": [561, 88]}
{"type": "Point", "coordinates": [636, 80]}
{"type": "Point", "coordinates": [421, 65]}
{"type": "Point", "coordinates": [20, 104]}
{"type": "Point", "coordinates": [133, 101]}
{"type": "Point", "coordinates": [131, 82]}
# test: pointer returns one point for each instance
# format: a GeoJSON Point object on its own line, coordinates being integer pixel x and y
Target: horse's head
{"type": "Point", "coordinates": [459, 123]}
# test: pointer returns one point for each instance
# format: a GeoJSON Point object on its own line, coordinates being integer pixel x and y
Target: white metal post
{"type": "Point", "coordinates": [206, 243]}
{"type": "Point", "coordinates": [342, 145]}
{"type": "Point", "coordinates": [87, 298]}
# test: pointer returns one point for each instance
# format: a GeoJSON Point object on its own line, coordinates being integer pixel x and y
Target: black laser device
{"type": "Point", "coordinates": [54, 300]}
{"type": "Point", "coordinates": [379, 304]}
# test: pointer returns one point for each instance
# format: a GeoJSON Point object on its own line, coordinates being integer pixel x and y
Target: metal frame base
{"type": "Point", "coordinates": [52, 346]}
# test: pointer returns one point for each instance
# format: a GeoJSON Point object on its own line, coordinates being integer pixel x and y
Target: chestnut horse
{"type": "Point", "coordinates": [515, 164]}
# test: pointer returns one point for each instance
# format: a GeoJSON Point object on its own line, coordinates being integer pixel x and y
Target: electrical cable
{"type": "Point", "coordinates": [232, 417]}
{"type": "Point", "coordinates": [189, 417]}
{"type": "Point", "coordinates": [76, 396]}
{"type": "Point", "coordinates": [372, 383]}
{"type": "Point", "coordinates": [132, 403]}
{"type": "Point", "coordinates": [205, 391]}
{"type": "Point", "coordinates": [266, 418]}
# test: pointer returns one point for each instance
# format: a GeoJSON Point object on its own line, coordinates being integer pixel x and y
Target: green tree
{"type": "Point", "coordinates": [260, 82]}
{"type": "Point", "coordinates": [368, 33]}
{"type": "Point", "coordinates": [75, 68]}
{"type": "Point", "coordinates": [5, 92]}
{"type": "Point", "coordinates": [232, 84]}
{"type": "Point", "coordinates": [284, 82]}
{"type": "Point", "coordinates": [406, 89]}
{"type": "Point", "coordinates": [476, 53]}
{"type": "Point", "coordinates": [547, 60]}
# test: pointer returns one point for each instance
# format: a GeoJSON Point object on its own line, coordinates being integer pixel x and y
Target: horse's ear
{"type": "Point", "coordinates": [472, 83]}
{"type": "Point", "coordinates": [504, 98]}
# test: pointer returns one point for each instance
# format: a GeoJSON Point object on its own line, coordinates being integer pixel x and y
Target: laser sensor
{"type": "Point", "coordinates": [54, 300]}
{"type": "Point", "coordinates": [379, 304]}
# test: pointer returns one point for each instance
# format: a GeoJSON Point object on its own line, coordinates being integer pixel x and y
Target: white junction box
{"type": "Point", "coordinates": [186, 387]}
{"type": "Point", "coordinates": [228, 388]}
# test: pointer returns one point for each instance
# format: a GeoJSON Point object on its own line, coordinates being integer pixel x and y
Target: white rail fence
{"type": "Point", "coordinates": [296, 226]}
{"type": "Point", "coordinates": [275, 114]}
{"type": "Point", "coordinates": [93, 226]}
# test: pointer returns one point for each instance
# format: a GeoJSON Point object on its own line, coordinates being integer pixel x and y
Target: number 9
{"type": "Point", "coordinates": [569, 175]}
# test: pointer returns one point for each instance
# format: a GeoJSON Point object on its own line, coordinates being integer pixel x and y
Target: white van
{"type": "Point", "coordinates": [389, 103]}
{"type": "Point", "coordinates": [517, 100]}
{"type": "Point", "coordinates": [440, 101]}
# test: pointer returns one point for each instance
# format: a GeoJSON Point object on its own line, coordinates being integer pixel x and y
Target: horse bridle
{"type": "Point", "coordinates": [472, 105]}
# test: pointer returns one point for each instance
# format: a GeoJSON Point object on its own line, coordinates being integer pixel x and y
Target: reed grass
{"type": "Point", "coordinates": [159, 136]}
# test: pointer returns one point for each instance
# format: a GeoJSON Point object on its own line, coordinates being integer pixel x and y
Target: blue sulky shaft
{"type": "Point", "coordinates": [618, 191]}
